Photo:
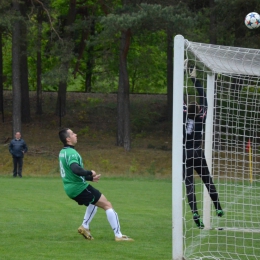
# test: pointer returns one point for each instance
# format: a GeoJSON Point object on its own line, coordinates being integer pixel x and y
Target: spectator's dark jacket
{"type": "Point", "coordinates": [17, 148]}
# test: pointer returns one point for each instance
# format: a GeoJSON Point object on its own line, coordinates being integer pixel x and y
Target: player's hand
{"type": "Point", "coordinates": [93, 173]}
{"type": "Point", "coordinates": [96, 178]}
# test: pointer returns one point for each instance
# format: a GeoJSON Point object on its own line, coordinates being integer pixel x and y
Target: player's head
{"type": "Point", "coordinates": [67, 136]}
{"type": "Point", "coordinates": [17, 135]}
{"type": "Point", "coordinates": [193, 109]}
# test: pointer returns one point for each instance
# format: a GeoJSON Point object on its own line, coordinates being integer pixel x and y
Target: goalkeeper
{"type": "Point", "coordinates": [194, 117]}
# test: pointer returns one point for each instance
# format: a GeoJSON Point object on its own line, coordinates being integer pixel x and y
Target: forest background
{"type": "Point", "coordinates": [113, 53]}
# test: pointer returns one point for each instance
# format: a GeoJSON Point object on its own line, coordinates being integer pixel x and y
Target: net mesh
{"type": "Point", "coordinates": [235, 153]}
{"type": "Point", "coordinates": [226, 59]}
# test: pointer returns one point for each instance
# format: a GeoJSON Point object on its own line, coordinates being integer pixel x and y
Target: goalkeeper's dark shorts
{"type": "Point", "coordinates": [88, 196]}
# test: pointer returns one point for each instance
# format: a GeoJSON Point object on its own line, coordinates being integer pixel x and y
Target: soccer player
{"type": "Point", "coordinates": [75, 178]}
{"type": "Point", "coordinates": [194, 117]}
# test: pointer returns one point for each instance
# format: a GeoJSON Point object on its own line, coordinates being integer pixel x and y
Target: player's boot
{"type": "Point", "coordinates": [198, 221]}
{"type": "Point", "coordinates": [85, 233]}
{"type": "Point", "coordinates": [123, 238]}
{"type": "Point", "coordinates": [219, 212]}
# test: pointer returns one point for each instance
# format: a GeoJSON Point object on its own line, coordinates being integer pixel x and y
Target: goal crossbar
{"type": "Point", "coordinates": [226, 59]}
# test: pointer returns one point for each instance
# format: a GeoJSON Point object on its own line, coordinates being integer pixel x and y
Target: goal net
{"type": "Point", "coordinates": [231, 143]}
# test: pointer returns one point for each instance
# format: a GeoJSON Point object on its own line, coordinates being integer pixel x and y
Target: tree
{"type": "Point", "coordinates": [90, 61]}
{"type": "Point", "coordinates": [17, 124]}
{"type": "Point", "coordinates": [133, 19]}
{"type": "Point", "coordinates": [169, 73]}
{"type": "Point", "coordinates": [66, 45]}
{"type": "Point", "coordinates": [4, 13]}
{"type": "Point", "coordinates": [39, 62]}
{"type": "Point", "coordinates": [87, 11]}
{"type": "Point", "coordinates": [123, 102]}
{"type": "Point", "coordinates": [213, 36]}
{"type": "Point", "coordinates": [25, 102]}
{"type": "Point", "coordinates": [1, 76]}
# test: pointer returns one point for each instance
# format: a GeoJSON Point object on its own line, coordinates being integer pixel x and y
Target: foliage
{"type": "Point", "coordinates": [147, 55]}
{"type": "Point", "coordinates": [7, 16]}
{"type": "Point", "coordinates": [146, 50]}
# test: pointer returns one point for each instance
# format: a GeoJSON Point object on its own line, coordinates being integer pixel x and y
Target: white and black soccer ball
{"type": "Point", "coordinates": [252, 20]}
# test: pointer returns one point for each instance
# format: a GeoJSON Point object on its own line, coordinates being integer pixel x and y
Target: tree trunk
{"type": "Point", "coordinates": [90, 62]}
{"type": "Point", "coordinates": [169, 74]}
{"type": "Point", "coordinates": [123, 102]}
{"type": "Point", "coordinates": [26, 114]}
{"type": "Point", "coordinates": [17, 124]}
{"type": "Point", "coordinates": [89, 70]}
{"type": "Point", "coordinates": [61, 99]}
{"type": "Point", "coordinates": [1, 77]}
{"type": "Point", "coordinates": [39, 64]}
{"type": "Point", "coordinates": [212, 32]}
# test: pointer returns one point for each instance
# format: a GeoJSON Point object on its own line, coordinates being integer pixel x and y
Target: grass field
{"type": "Point", "coordinates": [38, 221]}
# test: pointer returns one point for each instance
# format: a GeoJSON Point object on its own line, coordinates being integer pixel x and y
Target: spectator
{"type": "Point", "coordinates": [17, 148]}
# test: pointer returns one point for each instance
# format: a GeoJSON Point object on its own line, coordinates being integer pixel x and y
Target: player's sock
{"type": "Point", "coordinates": [113, 220]}
{"type": "Point", "coordinates": [89, 215]}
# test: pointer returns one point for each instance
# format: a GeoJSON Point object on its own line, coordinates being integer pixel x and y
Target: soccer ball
{"type": "Point", "coordinates": [252, 20]}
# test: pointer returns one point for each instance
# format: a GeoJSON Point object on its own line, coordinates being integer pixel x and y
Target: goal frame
{"type": "Point", "coordinates": [177, 135]}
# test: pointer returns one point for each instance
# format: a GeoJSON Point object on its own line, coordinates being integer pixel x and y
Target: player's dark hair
{"type": "Point", "coordinates": [193, 110]}
{"type": "Point", "coordinates": [63, 134]}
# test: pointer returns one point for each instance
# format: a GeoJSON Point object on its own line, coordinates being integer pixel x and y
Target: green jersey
{"type": "Point", "coordinates": [73, 184]}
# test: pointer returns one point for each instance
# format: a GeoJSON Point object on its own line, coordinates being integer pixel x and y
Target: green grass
{"type": "Point", "coordinates": [38, 221]}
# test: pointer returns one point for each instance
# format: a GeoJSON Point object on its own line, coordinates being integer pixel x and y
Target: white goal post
{"type": "Point", "coordinates": [231, 79]}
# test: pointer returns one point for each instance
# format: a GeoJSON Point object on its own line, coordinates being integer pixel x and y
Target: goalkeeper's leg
{"type": "Point", "coordinates": [190, 189]}
{"type": "Point", "coordinates": [202, 169]}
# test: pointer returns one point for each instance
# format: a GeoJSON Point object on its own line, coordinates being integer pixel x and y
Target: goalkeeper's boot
{"type": "Point", "coordinates": [220, 212]}
{"type": "Point", "coordinates": [85, 233]}
{"type": "Point", "coordinates": [198, 221]}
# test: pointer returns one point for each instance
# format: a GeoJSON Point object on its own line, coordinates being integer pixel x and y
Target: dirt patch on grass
{"type": "Point", "coordinates": [93, 117]}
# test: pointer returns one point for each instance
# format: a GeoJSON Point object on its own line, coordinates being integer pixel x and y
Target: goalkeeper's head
{"type": "Point", "coordinates": [193, 110]}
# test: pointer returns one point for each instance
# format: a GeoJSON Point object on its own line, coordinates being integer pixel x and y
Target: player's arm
{"type": "Point", "coordinates": [76, 169]}
{"type": "Point", "coordinates": [202, 94]}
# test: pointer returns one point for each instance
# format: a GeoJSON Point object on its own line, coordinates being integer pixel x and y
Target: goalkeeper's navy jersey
{"type": "Point", "coordinates": [73, 184]}
{"type": "Point", "coordinates": [193, 129]}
